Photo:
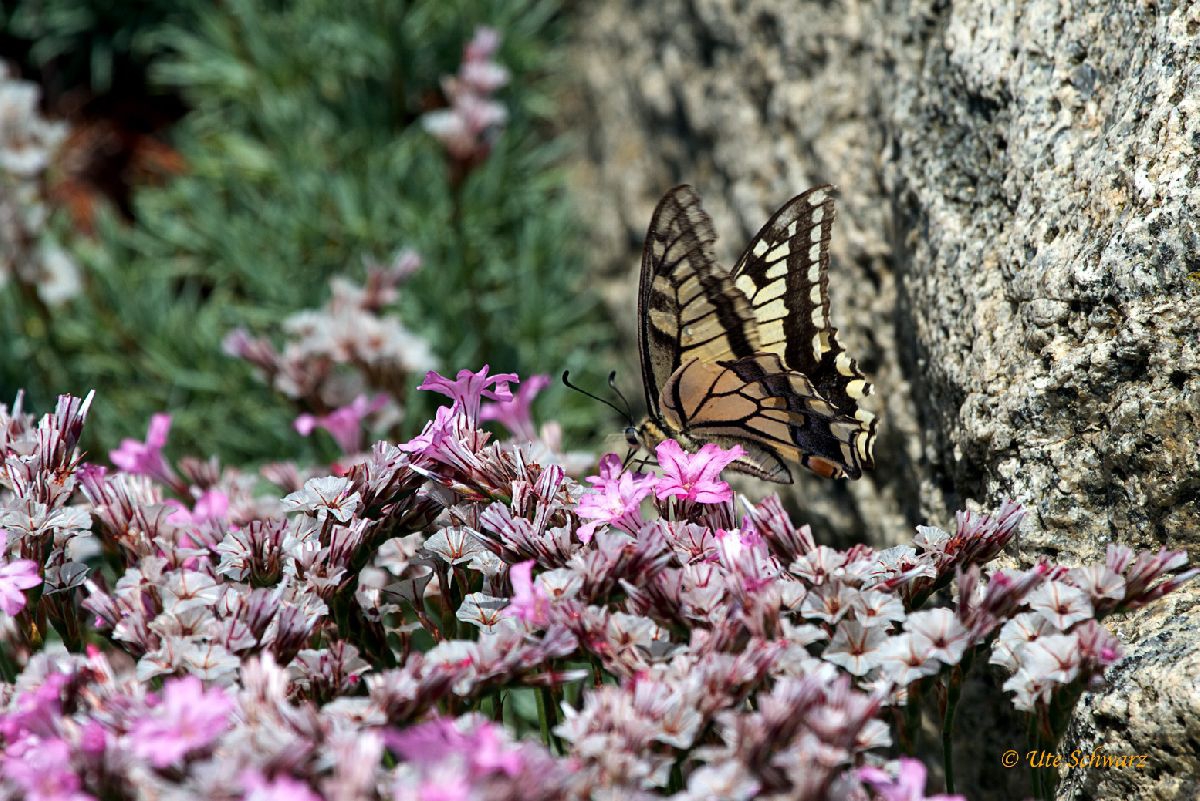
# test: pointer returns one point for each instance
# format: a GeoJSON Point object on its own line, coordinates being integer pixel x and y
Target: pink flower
{"type": "Point", "coordinates": [212, 505]}
{"type": "Point", "coordinates": [466, 128]}
{"type": "Point", "coordinates": [694, 477]}
{"type": "Point", "coordinates": [610, 471]}
{"type": "Point", "coordinates": [281, 788]}
{"type": "Point", "coordinates": [93, 738]}
{"type": "Point", "coordinates": [615, 499]}
{"type": "Point", "coordinates": [344, 424]}
{"type": "Point", "coordinates": [145, 458]}
{"type": "Point", "coordinates": [483, 45]}
{"type": "Point", "coordinates": [447, 787]}
{"type": "Point", "coordinates": [515, 414]}
{"type": "Point", "coordinates": [469, 388]}
{"type": "Point", "coordinates": [15, 578]}
{"type": "Point", "coordinates": [482, 748]}
{"type": "Point", "coordinates": [529, 602]}
{"type": "Point", "coordinates": [42, 769]}
{"type": "Point", "coordinates": [909, 785]}
{"type": "Point", "coordinates": [441, 427]}
{"type": "Point", "coordinates": [37, 711]}
{"type": "Point", "coordinates": [188, 718]}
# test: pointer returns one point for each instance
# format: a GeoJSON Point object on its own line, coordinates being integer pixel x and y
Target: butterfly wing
{"type": "Point", "coordinates": [773, 412]}
{"type": "Point", "coordinates": [688, 307]}
{"type": "Point", "coordinates": [784, 275]}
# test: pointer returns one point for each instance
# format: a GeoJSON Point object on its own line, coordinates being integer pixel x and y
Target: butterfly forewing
{"type": "Point", "coordinates": [687, 305]}
{"type": "Point", "coordinates": [784, 273]}
{"type": "Point", "coordinates": [748, 357]}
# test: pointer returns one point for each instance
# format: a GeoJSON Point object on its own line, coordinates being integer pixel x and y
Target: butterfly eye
{"type": "Point", "coordinates": [631, 436]}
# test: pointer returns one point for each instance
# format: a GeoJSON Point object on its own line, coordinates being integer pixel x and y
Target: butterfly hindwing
{"type": "Point", "coordinates": [766, 408]}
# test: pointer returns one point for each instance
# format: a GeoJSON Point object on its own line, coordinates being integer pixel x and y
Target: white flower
{"type": "Point", "coordinates": [1098, 581]}
{"type": "Point", "coordinates": [1028, 690]}
{"type": "Point", "coordinates": [875, 608]}
{"type": "Point", "coordinates": [1015, 635]}
{"type": "Point", "coordinates": [187, 589]}
{"type": "Point", "coordinates": [455, 544]}
{"type": "Point", "coordinates": [829, 602]}
{"type": "Point", "coordinates": [723, 781]}
{"type": "Point", "coordinates": [931, 538]}
{"type": "Point", "coordinates": [1055, 657]}
{"type": "Point", "coordinates": [939, 634]}
{"type": "Point", "coordinates": [903, 662]}
{"type": "Point", "coordinates": [854, 647]}
{"type": "Point", "coordinates": [485, 611]}
{"type": "Point", "coordinates": [327, 496]}
{"type": "Point", "coordinates": [1060, 603]}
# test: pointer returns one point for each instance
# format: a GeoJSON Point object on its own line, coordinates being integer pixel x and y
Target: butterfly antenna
{"type": "Point", "coordinates": [623, 412]}
{"type": "Point", "coordinates": [612, 384]}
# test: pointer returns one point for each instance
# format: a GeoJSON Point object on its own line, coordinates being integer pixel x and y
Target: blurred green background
{"type": "Point", "coordinates": [227, 158]}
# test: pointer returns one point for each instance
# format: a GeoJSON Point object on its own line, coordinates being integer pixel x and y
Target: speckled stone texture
{"type": "Point", "coordinates": [1016, 264]}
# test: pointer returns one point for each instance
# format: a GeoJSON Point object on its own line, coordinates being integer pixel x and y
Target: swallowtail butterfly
{"type": "Point", "coordinates": [748, 356]}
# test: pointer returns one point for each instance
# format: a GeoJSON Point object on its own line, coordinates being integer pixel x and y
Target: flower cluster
{"type": "Point", "coordinates": [28, 143]}
{"type": "Point", "coordinates": [455, 617]}
{"type": "Point", "coordinates": [468, 127]}
{"type": "Point", "coordinates": [344, 362]}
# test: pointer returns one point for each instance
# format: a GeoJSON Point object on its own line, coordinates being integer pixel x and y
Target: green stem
{"type": "Point", "coordinates": [8, 668]}
{"type": "Point", "coordinates": [912, 718]}
{"type": "Point", "coordinates": [953, 693]}
{"type": "Point", "coordinates": [546, 702]}
{"type": "Point", "coordinates": [543, 718]}
{"type": "Point", "coordinates": [1034, 742]}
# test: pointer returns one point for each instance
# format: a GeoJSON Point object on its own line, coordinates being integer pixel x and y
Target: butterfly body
{"type": "Point", "coordinates": [747, 356]}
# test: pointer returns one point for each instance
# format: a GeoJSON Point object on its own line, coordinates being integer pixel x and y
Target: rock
{"type": "Point", "coordinates": [1016, 265]}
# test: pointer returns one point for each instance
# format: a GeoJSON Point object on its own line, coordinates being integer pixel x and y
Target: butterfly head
{"type": "Point", "coordinates": [633, 436]}
{"type": "Point", "coordinates": [648, 434]}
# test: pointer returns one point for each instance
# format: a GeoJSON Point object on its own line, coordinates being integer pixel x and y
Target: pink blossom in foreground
{"type": "Point", "coordinates": [909, 785]}
{"type": "Point", "coordinates": [468, 389]}
{"type": "Point", "coordinates": [37, 710]}
{"type": "Point", "coordinates": [616, 499]}
{"type": "Point", "coordinates": [529, 601]}
{"type": "Point", "coordinates": [516, 414]}
{"type": "Point", "coordinates": [145, 458]}
{"type": "Point", "coordinates": [610, 470]}
{"type": "Point", "coordinates": [440, 428]}
{"type": "Point", "coordinates": [188, 718]}
{"type": "Point", "coordinates": [483, 748]}
{"type": "Point", "coordinates": [344, 424]}
{"type": "Point", "coordinates": [280, 788]}
{"type": "Point", "coordinates": [42, 769]}
{"type": "Point", "coordinates": [16, 577]}
{"type": "Point", "coordinates": [694, 477]}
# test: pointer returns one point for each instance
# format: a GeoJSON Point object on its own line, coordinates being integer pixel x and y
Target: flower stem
{"type": "Point", "coordinates": [543, 716]}
{"type": "Point", "coordinates": [1034, 742]}
{"type": "Point", "coordinates": [953, 694]}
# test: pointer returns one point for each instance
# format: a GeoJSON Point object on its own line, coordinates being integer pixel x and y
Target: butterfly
{"type": "Point", "coordinates": [748, 356]}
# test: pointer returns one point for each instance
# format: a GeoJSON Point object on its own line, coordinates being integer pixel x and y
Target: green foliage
{"type": "Point", "coordinates": [93, 43]}
{"type": "Point", "coordinates": [304, 155]}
